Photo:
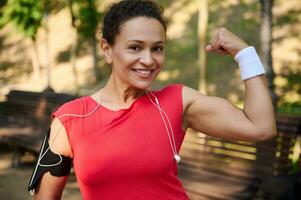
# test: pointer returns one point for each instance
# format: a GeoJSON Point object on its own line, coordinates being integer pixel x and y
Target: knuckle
{"type": "Point", "coordinates": [222, 30]}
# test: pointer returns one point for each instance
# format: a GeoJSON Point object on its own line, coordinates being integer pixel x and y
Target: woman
{"type": "Point", "coordinates": [124, 139]}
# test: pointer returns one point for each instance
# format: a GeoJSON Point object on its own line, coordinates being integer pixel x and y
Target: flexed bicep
{"type": "Point", "coordinates": [217, 117]}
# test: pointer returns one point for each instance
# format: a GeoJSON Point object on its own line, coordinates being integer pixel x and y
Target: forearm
{"type": "Point", "coordinates": [258, 106]}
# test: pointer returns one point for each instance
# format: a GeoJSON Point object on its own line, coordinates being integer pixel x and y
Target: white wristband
{"type": "Point", "coordinates": [249, 63]}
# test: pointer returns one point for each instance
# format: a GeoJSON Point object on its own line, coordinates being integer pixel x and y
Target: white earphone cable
{"type": "Point", "coordinates": [171, 139]}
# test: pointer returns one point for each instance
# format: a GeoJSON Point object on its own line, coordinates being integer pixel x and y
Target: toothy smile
{"type": "Point", "coordinates": [143, 72]}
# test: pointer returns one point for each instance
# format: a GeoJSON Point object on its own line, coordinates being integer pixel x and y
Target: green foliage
{"type": "Point", "coordinates": [87, 17]}
{"type": "Point", "coordinates": [290, 108]}
{"type": "Point", "coordinates": [2, 4]}
{"type": "Point", "coordinates": [26, 15]}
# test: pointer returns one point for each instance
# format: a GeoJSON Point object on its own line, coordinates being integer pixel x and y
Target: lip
{"type": "Point", "coordinates": [147, 69]}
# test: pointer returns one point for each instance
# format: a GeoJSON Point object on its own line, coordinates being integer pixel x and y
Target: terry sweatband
{"type": "Point", "coordinates": [249, 63]}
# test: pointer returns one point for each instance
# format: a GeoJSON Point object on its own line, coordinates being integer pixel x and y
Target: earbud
{"type": "Point", "coordinates": [177, 158]}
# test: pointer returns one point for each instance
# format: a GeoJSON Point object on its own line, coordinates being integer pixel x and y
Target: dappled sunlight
{"type": "Point", "coordinates": [282, 7]}
{"type": "Point", "coordinates": [179, 19]}
{"type": "Point", "coordinates": [5, 163]}
{"type": "Point", "coordinates": [166, 75]}
{"type": "Point", "coordinates": [60, 36]}
{"type": "Point", "coordinates": [234, 153]}
{"type": "Point", "coordinates": [291, 97]}
{"type": "Point", "coordinates": [280, 81]}
{"type": "Point", "coordinates": [287, 51]}
{"type": "Point", "coordinates": [233, 97]}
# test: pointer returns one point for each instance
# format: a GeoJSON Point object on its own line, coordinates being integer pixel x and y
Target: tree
{"type": "Point", "coordinates": [266, 44]}
{"type": "Point", "coordinates": [202, 34]}
{"type": "Point", "coordinates": [26, 16]}
{"type": "Point", "coordinates": [85, 17]}
{"type": "Point", "coordinates": [267, 148]}
{"type": "Point", "coordinates": [73, 46]}
{"type": "Point", "coordinates": [88, 17]}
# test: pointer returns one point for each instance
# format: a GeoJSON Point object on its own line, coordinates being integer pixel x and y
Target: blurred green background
{"type": "Point", "coordinates": [52, 43]}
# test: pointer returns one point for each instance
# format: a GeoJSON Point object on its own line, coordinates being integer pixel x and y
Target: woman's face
{"type": "Point", "coordinates": [137, 55]}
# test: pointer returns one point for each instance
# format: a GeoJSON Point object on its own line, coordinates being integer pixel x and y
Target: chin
{"type": "Point", "coordinates": [142, 85]}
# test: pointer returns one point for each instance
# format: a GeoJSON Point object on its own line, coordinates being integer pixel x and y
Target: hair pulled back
{"type": "Point", "coordinates": [125, 10]}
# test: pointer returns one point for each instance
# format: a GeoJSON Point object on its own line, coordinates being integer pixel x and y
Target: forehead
{"type": "Point", "coordinates": [141, 28]}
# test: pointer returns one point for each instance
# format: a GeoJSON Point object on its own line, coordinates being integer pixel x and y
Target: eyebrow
{"type": "Point", "coordinates": [140, 41]}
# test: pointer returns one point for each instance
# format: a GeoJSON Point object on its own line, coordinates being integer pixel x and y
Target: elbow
{"type": "Point", "coordinates": [267, 134]}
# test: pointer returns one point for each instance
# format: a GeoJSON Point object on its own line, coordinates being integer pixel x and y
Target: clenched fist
{"type": "Point", "coordinates": [225, 42]}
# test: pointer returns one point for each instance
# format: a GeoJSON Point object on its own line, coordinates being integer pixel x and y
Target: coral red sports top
{"type": "Point", "coordinates": [126, 154]}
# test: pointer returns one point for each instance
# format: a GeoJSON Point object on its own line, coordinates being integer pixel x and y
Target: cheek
{"type": "Point", "coordinates": [125, 59]}
{"type": "Point", "coordinates": [160, 60]}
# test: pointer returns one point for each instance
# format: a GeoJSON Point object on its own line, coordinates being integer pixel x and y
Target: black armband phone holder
{"type": "Point", "coordinates": [57, 165]}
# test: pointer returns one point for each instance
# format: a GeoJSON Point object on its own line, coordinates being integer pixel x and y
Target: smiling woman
{"type": "Point", "coordinates": [123, 141]}
{"type": "Point", "coordinates": [137, 55]}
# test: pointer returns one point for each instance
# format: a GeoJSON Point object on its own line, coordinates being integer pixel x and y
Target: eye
{"type": "Point", "coordinates": [135, 47]}
{"type": "Point", "coordinates": [158, 49]}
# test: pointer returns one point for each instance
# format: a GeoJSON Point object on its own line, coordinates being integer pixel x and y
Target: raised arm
{"type": "Point", "coordinates": [218, 117]}
{"type": "Point", "coordinates": [51, 187]}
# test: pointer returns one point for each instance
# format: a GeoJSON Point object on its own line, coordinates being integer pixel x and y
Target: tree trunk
{"type": "Point", "coordinates": [202, 30]}
{"type": "Point", "coordinates": [266, 45]}
{"type": "Point", "coordinates": [96, 69]}
{"type": "Point", "coordinates": [73, 52]}
{"type": "Point", "coordinates": [266, 167]}
{"type": "Point", "coordinates": [35, 60]}
{"type": "Point", "coordinates": [47, 63]}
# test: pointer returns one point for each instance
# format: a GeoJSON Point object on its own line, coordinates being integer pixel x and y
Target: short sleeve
{"type": "Point", "coordinates": [64, 112]}
{"type": "Point", "coordinates": [171, 101]}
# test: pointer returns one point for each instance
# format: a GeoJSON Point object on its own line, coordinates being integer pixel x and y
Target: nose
{"type": "Point", "coordinates": [146, 58]}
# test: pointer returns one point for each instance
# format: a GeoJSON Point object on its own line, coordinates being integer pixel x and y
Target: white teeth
{"type": "Point", "coordinates": [143, 72]}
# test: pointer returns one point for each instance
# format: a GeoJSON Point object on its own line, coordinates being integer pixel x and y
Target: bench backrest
{"type": "Point", "coordinates": [35, 108]}
{"type": "Point", "coordinates": [227, 169]}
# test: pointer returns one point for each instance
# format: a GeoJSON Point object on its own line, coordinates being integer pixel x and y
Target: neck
{"type": "Point", "coordinates": [121, 93]}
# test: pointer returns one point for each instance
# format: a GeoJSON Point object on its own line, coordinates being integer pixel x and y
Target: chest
{"type": "Point", "coordinates": [135, 144]}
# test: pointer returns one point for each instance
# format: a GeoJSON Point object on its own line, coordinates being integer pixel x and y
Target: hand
{"type": "Point", "coordinates": [225, 42]}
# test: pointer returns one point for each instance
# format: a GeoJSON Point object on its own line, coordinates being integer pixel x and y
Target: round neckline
{"type": "Point", "coordinates": [119, 110]}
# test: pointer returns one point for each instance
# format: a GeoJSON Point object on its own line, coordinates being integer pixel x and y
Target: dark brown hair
{"type": "Point", "coordinates": [125, 10]}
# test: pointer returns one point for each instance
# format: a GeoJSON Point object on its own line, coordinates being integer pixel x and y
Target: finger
{"type": "Point", "coordinates": [221, 51]}
{"type": "Point", "coordinates": [209, 47]}
{"type": "Point", "coordinates": [216, 45]}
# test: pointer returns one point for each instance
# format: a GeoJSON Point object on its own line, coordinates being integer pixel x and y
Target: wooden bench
{"type": "Point", "coordinates": [27, 116]}
{"type": "Point", "coordinates": [216, 169]}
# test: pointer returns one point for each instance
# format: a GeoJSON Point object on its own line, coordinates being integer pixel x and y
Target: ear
{"type": "Point", "coordinates": [106, 50]}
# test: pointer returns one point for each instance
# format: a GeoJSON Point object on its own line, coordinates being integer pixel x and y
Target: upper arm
{"type": "Point", "coordinates": [51, 187]}
{"type": "Point", "coordinates": [58, 139]}
{"type": "Point", "coordinates": [217, 117]}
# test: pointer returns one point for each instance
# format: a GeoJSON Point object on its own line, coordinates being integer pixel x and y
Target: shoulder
{"type": "Point", "coordinates": [187, 94]}
{"type": "Point", "coordinates": [190, 96]}
{"type": "Point", "coordinates": [74, 106]}
{"type": "Point", "coordinates": [170, 96]}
